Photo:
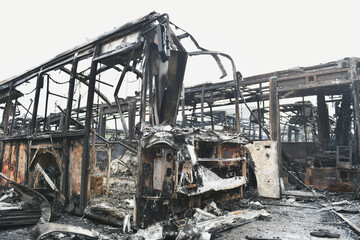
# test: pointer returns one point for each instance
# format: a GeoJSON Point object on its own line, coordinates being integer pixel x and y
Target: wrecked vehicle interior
{"type": "Point", "coordinates": [108, 130]}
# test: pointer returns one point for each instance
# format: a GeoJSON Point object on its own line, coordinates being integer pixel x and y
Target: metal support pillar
{"type": "Point", "coordinates": [323, 124]}
{"type": "Point", "coordinates": [343, 123]}
{"type": "Point", "coordinates": [13, 119]}
{"type": "Point", "coordinates": [211, 116]}
{"type": "Point", "coordinates": [46, 101]}
{"type": "Point", "coordinates": [183, 123]}
{"type": "Point", "coordinates": [356, 102]}
{"type": "Point", "coordinates": [102, 123]}
{"type": "Point", "coordinates": [202, 108]}
{"type": "Point", "coordinates": [7, 111]}
{"type": "Point", "coordinates": [237, 94]}
{"type": "Point", "coordinates": [70, 94]}
{"type": "Point", "coordinates": [274, 115]}
{"type": "Point", "coordinates": [39, 85]}
{"type": "Point", "coordinates": [304, 119]}
{"type": "Point", "coordinates": [87, 147]}
{"type": "Point", "coordinates": [259, 118]}
{"type": "Point", "coordinates": [147, 76]}
{"type": "Point", "coordinates": [131, 118]}
{"type": "Point", "coordinates": [78, 111]}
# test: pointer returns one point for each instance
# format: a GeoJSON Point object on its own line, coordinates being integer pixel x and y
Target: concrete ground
{"type": "Point", "coordinates": [289, 218]}
{"type": "Point", "coordinates": [292, 222]}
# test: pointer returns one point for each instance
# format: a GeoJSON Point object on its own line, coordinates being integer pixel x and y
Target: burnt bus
{"type": "Point", "coordinates": [65, 121]}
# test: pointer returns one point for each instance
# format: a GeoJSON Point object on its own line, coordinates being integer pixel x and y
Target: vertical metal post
{"type": "Point", "coordinates": [70, 94]}
{"type": "Point", "coordinates": [86, 148]}
{"type": "Point", "coordinates": [259, 118]}
{"type": "Point", "coordinates": [131, 117]}
{"type": "Point", "coordinates": [102, 122]}
{"type": "Point", "coordinates": [323, 123]}
{"type": "Point", "coordinates": [273, 110]}
{"type": "Point", "coordinates": [254, 131]}
{"type": "Point", "coordinates": [7, 111]}
{"type": "Point", "coordinates": [66, 167]}
{"type": "Point", "coordinates": [202, 107]}
{"type": "Point", "coordinates": [116, 128]}
{"type": "Point", "coordinates": [146, 77]}
{"type": "Point", "coordinates": [356, 102]}
{"type": "Point", "coordinates": [211, 116]}
{"type": "Point", "coordinates": [193, 115]}
{"type": "Point", "coordinates": [274, 116]}
{"type": "Point", "coordinates": [210, 103]}
{"type": "Point", "coordinates": [297, 135]}
{"type": "Point", "coordinates": [343, 126]}
{"type": "Point", "coordinates": [289, 133]}
{"type": "Point", "coordinates": [13, 119]}
{"type": "Point", "coordinates": [46, 101]}
{"type": "Point", "coordinates": [143, 97]}
{"type": "Point", "coordinates": [78, 111]}
{"type": "Point", "coordinates": [249, 128]}
{"type": "Point", "coordinates": [39, 85]}
{"type": "Point", "coordinates": [183, 123]}
{"type": "Point", "coordinates": [236, 95]}
{"type": "Point", "coordinates": [61, 122]}
{"type": "Point", "coordinates": [93, 154]}
{"type": "Point", "coordinates": [152, 111]}
{"type": "Point", "coordinates": [304, 118]}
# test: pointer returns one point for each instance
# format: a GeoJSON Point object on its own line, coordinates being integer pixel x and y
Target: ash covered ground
{"type": "Point", "coordinates": [295, 216]}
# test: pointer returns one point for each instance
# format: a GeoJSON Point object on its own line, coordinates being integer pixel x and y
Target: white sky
{"type": "Point", "coordinates": [261, 36]}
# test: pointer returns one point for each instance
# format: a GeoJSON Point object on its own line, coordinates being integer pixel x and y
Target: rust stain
{"type": "Point", "coordinates": [228, 151]}
{"type": "Point", "coordinates": [6, 161]}
{"type": "Point", "coordinates": [22, 159]}
{"type": "Point", "coordinates": [13, 164]}
{"type": "Point", "coordinates": [329, 179]}
{"type": "Point", "coordinates": [238, 212]}
{"type": "Point", "coordinates": [75, 169]}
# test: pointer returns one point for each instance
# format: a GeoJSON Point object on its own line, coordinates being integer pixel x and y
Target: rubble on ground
{"type": "Point", "coordinates": [294, 216]}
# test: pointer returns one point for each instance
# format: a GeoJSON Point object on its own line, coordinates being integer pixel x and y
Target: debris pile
{"type": "Point", "coordinates": [25, 206]}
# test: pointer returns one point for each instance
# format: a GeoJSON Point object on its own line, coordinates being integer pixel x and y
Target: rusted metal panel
{"type": "Point", "coordinates": [6, 161]}
{"type": "Point", "coordinates": [314, 80]}
{"type": "Point", "coordinates": [13, 162]}
{"type": "Point", "coordinates": [332, 179]}
{"type": "Point", "coordinates": [264, 154]}
{"type": "Point", "coordinates": [75, 166]}
{"type": "Point", "coordinates": [229, 150]}
{"type": "Point", "coordinates": [22, 160]}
